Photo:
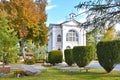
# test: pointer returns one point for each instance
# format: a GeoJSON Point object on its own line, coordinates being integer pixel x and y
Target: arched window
{"type": "Point", "coordinates": [72, 36]}
{"type": "Point", "coordinates": [59, 38]}
{"type": "Point", "coordinates": [68, 47]}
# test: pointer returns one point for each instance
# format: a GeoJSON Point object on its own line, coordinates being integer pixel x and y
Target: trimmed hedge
{"type": "Point", "coordinates": [68, 56]}
{"type": "Point", "coordinates": [108, 54]}
{"type": "Point", "coordinates": [83, 55]}
{"type": "Point", "coordinates": [55, 56]}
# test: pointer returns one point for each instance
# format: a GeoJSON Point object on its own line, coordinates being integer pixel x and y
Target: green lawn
{"type": "Point", "coordinates": [54, 74]}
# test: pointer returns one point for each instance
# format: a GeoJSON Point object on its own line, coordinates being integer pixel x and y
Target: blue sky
{"type": "Point", "coordinates": [59, 10]}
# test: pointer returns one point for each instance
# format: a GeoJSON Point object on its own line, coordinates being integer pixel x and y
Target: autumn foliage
{"type": "Point", "coordinates": [28, 18]}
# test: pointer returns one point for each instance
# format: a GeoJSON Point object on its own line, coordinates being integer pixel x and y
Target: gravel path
{"type": "Point", "coordinates": [93, 64]}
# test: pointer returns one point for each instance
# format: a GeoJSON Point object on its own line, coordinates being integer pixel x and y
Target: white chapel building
{"type": "Point", "coordinates": [66, 35]}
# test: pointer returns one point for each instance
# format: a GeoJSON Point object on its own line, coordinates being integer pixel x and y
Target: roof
{"type": "Point", "coordinates": [65, 22]}
{"type": "Point", "coordinates": [70, 21]}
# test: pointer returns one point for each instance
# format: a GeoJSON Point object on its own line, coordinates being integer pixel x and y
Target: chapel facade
{"type": "Point", "coordinates": [66, 35]}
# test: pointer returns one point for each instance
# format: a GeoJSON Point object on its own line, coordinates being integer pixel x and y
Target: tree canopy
{"type": "Point", "coordinates": [101, 13]}
{"type": "Point", "coordinates": [8, 39]}
{"type": "Point", "coordinates": [109, 35]}
{"type": "Point", "coordinates": [28, 19]}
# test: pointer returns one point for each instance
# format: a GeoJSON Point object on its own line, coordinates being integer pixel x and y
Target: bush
{"type": "Point", "coordinates": [108, 54]}
{"type": "Point", "coordinates": [29, 61]}
{"type": "Point", "coordinates": [40, 60]}
{"type": "Point", "coordinates": [21, 72]}
{"type": "Point", "coordinates": [83, 55]}
{"type": "Point", "coordinates": [55, 56]}
{"type": "Point", "coordinates": [68, 57]}
{"type": "Point", "coordinates": [9, 58]}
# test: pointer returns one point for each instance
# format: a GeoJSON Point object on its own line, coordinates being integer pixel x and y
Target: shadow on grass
{"type": "Point", "coordinates": [97, 74]}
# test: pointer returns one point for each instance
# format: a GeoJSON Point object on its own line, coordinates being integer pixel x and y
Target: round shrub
{"type": "Point", "coordinates": [55, 56]}
{"type": "Point", "coordinates": [68, 57]}
{"type": "Point", "coordinates": [83, 55]}
{"type": "Point", "coordinates": [29, 61]}
{"type": "Point", "coordinates": [108, 54]}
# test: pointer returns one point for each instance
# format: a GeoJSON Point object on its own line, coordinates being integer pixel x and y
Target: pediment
{"type": "Point", "coordinates": [70, 23]}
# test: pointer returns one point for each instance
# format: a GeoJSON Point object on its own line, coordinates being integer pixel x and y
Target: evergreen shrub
{"type": "Point", "coordinates": [29, 61]}
{"type": "Point", "coordinates": [68, 57]}
{"type": "Point", "coordinates": [55, 56]}
{"type": "Point", "coordinates": [108, 54]}
{"type": "Point", "coordinates": [83, 55]}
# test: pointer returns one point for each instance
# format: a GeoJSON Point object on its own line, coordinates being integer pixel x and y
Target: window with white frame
{"type": "Point", "coordinates": [59, 38]}
{"type": "Point", "coordinates": [72, 36]}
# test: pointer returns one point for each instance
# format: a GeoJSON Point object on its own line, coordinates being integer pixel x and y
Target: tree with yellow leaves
{"type": "Point", "coordinates": [28, 19]}
{"type": "Point", "coordinates": [109, 35]}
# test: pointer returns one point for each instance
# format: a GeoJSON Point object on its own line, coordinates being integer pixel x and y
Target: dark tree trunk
{"type": "Point", "coordinates": [22, 49]}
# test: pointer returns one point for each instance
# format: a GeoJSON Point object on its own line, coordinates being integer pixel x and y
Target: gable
{"type": "Point", "coordinates": [70, 23]}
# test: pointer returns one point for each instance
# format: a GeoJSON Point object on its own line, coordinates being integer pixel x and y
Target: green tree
{"type": "Point", "coordinates": [68, 56]}
{"type": "Point", "coordinates": [28, 20]}
{"type": "Point", "coordinates": [90, 39]}
{"type": "Point", "coordinates": [83, 55]}
{"type": "Point", "coordinates": [109, 35]}
{"type": "Point", "coordinates": [8, 40]}
{"type": "Point", "coordinates": [100, 13]}
{"type": "Point", "coordinates": [117, 35]}
{"type": "Point", "coordinates": [108, 53]}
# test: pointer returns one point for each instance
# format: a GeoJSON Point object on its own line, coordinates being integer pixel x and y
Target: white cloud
{"type": "Point", "coordinates": [117, 27]}
{"type": "Point", "coordinates": [50, 7]}
{"type": "Point", "coordinates": [49, 1]}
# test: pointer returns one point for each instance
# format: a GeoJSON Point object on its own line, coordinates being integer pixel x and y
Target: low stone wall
{"type": "Point", "coordinates": [6, 69]}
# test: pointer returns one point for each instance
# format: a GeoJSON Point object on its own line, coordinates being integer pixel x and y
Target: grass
{"type": "Point", "coordinates": [54, 74]}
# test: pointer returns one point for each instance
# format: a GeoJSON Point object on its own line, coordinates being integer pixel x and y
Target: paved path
{"type": "Point", "coordinates": [94, 64]}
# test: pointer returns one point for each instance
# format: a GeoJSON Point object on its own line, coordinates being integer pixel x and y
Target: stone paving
{"type": "Point", "coordinates": [64, 66]}
{"type": "Point", "coordinates": [93, 64]}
